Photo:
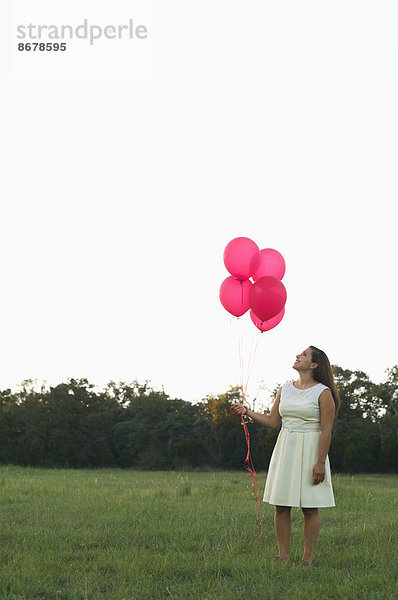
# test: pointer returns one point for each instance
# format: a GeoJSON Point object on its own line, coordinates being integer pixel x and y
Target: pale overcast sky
{"type": "Point", "coordinates": [271, 120]}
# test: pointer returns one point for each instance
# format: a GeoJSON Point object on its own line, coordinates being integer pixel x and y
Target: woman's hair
{"type": "Point", "coordinates": [323, 374]}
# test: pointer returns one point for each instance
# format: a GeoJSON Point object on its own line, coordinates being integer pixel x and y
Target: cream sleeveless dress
{"type": "Point", "coordinates": [289, 478]}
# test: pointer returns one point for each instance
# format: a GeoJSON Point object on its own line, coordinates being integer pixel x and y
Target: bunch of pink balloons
{"type": "Point", "coordinates": [255, 283]}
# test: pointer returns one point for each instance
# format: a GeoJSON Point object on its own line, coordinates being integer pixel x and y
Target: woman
{"type": "Point", "coordinates": [299, 470]}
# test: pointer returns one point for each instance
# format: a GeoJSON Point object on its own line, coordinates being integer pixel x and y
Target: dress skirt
{"type": "Point", "coordinates": [289, 478]}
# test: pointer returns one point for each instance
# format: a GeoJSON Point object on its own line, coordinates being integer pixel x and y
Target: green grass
{"type": "Point", "coordinates": [121, 535]}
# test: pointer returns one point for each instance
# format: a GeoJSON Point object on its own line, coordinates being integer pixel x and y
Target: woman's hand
{"type": "Point", "coordinates": [318, 473]}
{"type": "Point", "coordinates": [238, 408]}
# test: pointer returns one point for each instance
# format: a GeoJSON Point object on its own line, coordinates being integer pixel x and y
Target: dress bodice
{"type": "Point", "coordinates": [299, 409]}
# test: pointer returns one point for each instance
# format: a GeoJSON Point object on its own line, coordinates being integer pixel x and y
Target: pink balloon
{"type": "Point", "coordinates": [234, 295]}
{"type": "Point", "coordinates": [267, 297]}
{"type": "Point", "coordinates": [267, 325]}
{"type": "Point", "coordinates": [241, 257]}
{"type": "Point", "coordinates": [271, 263]}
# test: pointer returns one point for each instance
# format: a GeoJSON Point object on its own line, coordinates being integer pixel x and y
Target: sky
{"type": "Point", "coordinates": [129, 165]}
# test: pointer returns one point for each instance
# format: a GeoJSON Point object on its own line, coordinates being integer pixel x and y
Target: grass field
{"type": "Point", "coordinates": [121, 535]}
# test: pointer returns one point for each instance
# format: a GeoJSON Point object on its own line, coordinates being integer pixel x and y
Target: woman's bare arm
{"type": "Point", "coordinates": [327, 410]}
{"type": "Point", "coordinates": [271, 420]}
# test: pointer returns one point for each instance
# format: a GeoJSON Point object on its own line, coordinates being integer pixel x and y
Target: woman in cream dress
{"type": "Point", "coordinates": [299, 470]}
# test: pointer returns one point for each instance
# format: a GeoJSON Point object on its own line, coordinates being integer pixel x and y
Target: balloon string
{"type": "Point", "coordinates": [252, 358]}
{"type": "Point", "coordinates": [248, 463]}
{"type": "Point", "coordinates": [250, 364]}
{"type": "Point", "coordinates": [254, 484]}
{"type": "Point", "coordinates": [241, 365]}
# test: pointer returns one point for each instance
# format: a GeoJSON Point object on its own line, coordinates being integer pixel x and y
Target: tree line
{"type": "Point", "coordinates": [131, 425]}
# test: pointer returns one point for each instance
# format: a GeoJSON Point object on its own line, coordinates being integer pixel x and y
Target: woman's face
{"type": "Point", "coordinates": [304, 361]}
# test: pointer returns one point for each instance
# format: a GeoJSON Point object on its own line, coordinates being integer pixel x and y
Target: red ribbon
{"type": "Point", "coordinates": [254, 485]}
{"type": "Point", "coordinates": [248, 464]}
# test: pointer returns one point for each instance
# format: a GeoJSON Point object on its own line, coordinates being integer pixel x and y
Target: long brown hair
{"type": "Point", "coordinates": [323, 374]}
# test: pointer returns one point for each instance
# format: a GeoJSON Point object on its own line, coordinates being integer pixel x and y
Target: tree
{"type": "Point", "coordinates": [133, 425]}
{"type": "Point", "coordinates": [226, 441]}
{"type": "Point", "coordinates": [388, 423]}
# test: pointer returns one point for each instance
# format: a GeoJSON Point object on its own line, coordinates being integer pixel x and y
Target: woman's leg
{"type": "Point", "coordinates": [311, 530]}
{"type": "Point", "coordinates": [282, 528]}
